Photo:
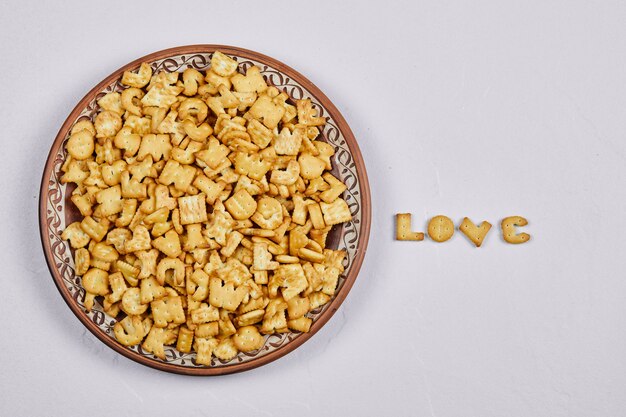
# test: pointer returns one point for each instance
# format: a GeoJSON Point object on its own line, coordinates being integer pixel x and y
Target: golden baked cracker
{"type": "Point", "coordinates": [232, 242]}
{"type": "Point", "coordinates": [245, 100]}
{"type": "Point", "coordinates": [193, 109]}
{"type": "Point", "coordinates": [220, 224]}
{"type": "Point", "coordinates": [118, 287]}
{"type": "Point", "coordinates": [269, 213]}
{"type": "Point", "coordinates": [140, 241]}
{"type": "Point", "coordinates": [259, 134]}
{"type": "Point", "coordinates": [178, 227]}
{"type": "Point", "coordinates": [215, 153]}
{"type": "Point", "coordinates": [167, 310]}
{"type": "Point", "coordinates": [299, 213]}
{"type": "Point", "coordinates": [335, 212]}
{"type": "Point", "coordinates": [161, 95]}
{"type": "Point", "coordinates": [307, 115]}
{"type": "Point", "coordinates": [185, 152]}
{"type": "Point", "coordinates": [155, 341]}
{"type": "Point", "coordinates": [83, 202]}
{"type": "Point", "coordinates": [129, 101]}
{"type": "Point", "coordinates": [403, 228]}
{"type": "Point", "coordinates": [129, 271]}
{"type": "Point", "coordinates": [509, 231]}
{"type": "Point", "coordinates": [75, 172]}
{"type": "Point", "coordinates": [103, 252]}
{"type": "Point", "coordinates": [223, 65]}
{"type": "Point", "coordinates": [287, 259]}
{"type": "Point", "coordinates": [251, 165]}
{"type": "Point", "coordinates": [171, 264]}
{"type": "Point", "coordinates": [107, 124]}
{"type": "Point", "coordinates": [139, 79]}
{"type": "Point", "coordinates": [128, 141]}
{"type": "Point", "coordinates": [248, 339]}
{"type": "Point", "coordinates": [204, 314]}
{"type": "Point", "coordinates": [297, 307]}
{"type": "Point", "coordinates": [131, 330]}
{"type": "Point", "coordinates": [288, 176]}
{"type": "Point", "coordinates": [112, 173]}
{"type": "Point", "coordinates": [262, 258]}
{"type": "Point", "coordinates": [151, 290]}
{"type": "Point", "coordinates": [75, 234]}
{"type": "Point", "coordinates": [81, 261]}
{"type": "Point", "coordinates": [311, 167]}
{"type": "Point", "coordinates": [314, 246]}
{"type": "Point", "coordinates": [198, 133]}
{"type": "Point", "coordinates": [96, 282]}
{"type": "Point", "coordinates": [81, 145]}
{"type": "Point", "coordinates": [112, 102]}
{"type": "Point", "coordinates": [336, 188]}
{"type": "Point", "coordinates": [291, 278]}
{"type": "Point", "coordinates": [288, 142]}
{"type": "Point", "coordinates": [297, 240]}
{"type": "Point", "coordinates": [274, 319]}
{"type": "Point", "coordinates": [110, 200]}
{"type": "Point", "coordinates": [330, 278]}
{"type": "Point", "coordinates": [226, 326]}
{"type": "Point", "coordinates": [245, 183]}
{"type": "Point", "coordinates": [210, 188]}
{"type": "Point", "coordinates": [204, 348]}
{"type": "Point", "coordinates": [440, 228]}
{"type": "Point", "coordinates": [95, 229]}
{"type": "Point", "coordinates": [139, 125]}
{"type": "Point", "coordinates": [310, 255]}
{"type": "Point", "coordinates": [241, 205]}
{"type": "Point", "coordinates": [250, 317]}
{"type": "Point", "coordinates": [251, 82]}
{"type": "Point", "coordinates": [129, 208]}
{"type": "Point", "coordinates": [301, 324]}
{"type": "Point", "coordinates": [112, 309]}
{"type": "Point", "coordinates": [132, 187]}
{"type": "Point", "coordinates": [225, 350]}
{"type": "Point", "coordinates": [179, 175]}
{"type": "Point", "coordinates": [316, 216]}
{"type": "Point", "coordinates": [84, 124]}
{"type": "Point", "coordinates": [224, 295]}
{"type": "Point", "coordinates": [156, 216]}
{"type": "Point", "coordinates": [148, 260]}
{"type": "Point", "coordinates": [192, 209]}
{"type": "Point", "coordinates": [158, 146]}
{"type": "Point", "coordinates": [184, 340]}
{"type": "Point", "coordinates": [474, 233]}
{"type": "Point", "coordinates": [163, 199]}
{"type": "Point", "coordinates": [266, 111]}
{"type": "Point", "coordinates": [118, 237]}
{"type": "Point", "coordinates": [131, 302]}
{"type": "Point", "coordinates": [318, 299]}
{"type": "Point", "coordinates": [195, 239]}
{"type": "Point", "coordinates": [234, 271]}
{"type": "Point", "coordinates": [290, 110]}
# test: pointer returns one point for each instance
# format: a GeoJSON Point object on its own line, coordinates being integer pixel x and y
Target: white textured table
{"type": "Point", "coordinates": [475, 109]}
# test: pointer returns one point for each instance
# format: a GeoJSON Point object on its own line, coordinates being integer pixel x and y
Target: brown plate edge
{"type": "Point", "coordinates": [356, 263]}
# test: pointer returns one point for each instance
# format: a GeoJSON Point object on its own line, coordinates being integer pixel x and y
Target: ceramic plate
{"type": "Point", "coordinates": [56, 210]}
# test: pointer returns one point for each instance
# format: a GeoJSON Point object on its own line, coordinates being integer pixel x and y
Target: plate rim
{"type": "Point", "coordinates": [364, 226]}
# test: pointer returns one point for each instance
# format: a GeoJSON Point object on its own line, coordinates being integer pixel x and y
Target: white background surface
{"type": "Point", "coordinates": [482, 109]}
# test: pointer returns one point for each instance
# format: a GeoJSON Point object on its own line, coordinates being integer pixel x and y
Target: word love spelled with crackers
{"type": "Point", "coordinates": [206, 201]}
{"type": "Point", "coordinates": [441, 229]}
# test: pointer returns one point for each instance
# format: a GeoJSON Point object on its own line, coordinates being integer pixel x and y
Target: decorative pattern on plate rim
{"type": "Point", "coordinates": [58, 197]}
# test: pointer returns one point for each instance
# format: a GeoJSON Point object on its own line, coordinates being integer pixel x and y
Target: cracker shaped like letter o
{"type": "Point", "coordinates": [440, 228]}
